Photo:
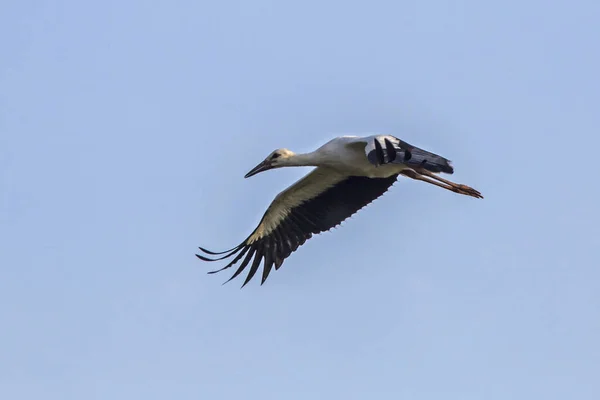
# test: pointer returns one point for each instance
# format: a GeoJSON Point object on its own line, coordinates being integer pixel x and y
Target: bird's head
{"type": "Point", "coordinates": [278, 158]}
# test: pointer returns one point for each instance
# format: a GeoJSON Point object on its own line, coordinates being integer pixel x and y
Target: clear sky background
{"type": "Point", "coordinates": [125, 132]}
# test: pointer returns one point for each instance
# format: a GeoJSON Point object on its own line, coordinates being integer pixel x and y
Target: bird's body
{"type": "Point", "coordinates": [350, 173]}
{"type": "Point", "coordinates": [347, 154]}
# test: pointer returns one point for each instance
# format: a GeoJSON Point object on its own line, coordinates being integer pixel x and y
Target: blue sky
{"type": "Point", "coordinates": [125, 132]}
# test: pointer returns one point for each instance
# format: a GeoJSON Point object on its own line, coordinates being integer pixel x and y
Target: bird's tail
{"type": "Point", "coordinates": [424, 159]}
{"type": "Point", "coordinates": [411, 156]}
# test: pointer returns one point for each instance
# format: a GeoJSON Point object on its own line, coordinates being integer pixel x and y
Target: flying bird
{"type": "Point", "coordinates": [350, 173]}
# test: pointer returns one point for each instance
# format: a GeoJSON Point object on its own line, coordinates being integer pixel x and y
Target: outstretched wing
{"type": "Point", "coordinates": [316, 203]}
{"type": "Point", "coordinates": [386, 149]}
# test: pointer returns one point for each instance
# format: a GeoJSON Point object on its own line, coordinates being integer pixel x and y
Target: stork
{"type": "Point", "coordinates": [350, 173]}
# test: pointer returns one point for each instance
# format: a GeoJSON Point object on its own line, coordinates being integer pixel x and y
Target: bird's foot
{"type": "Point", "coordinates": [467, 190]}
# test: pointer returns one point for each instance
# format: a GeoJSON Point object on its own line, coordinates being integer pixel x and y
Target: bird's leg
{"type": "Point", "coordinates": [461, 189]}
{"type": "Point", "coordinates": [414, 175]}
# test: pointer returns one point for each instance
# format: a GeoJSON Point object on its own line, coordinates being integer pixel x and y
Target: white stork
{"type": "Point", "coordinates": [350, 173]}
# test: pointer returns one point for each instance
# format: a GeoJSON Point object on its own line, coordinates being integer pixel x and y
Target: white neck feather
{"type": "Point", "coordinates": [313, 159]}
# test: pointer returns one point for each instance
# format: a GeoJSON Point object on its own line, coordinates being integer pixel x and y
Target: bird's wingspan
{"type": "Point", "coordinates": [386, 149]}
{"type": "Point", "coordinates": [316, 203]}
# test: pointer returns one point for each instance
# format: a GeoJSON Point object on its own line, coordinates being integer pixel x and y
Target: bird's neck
{"type": "Point", "coordinates": [304, 160]}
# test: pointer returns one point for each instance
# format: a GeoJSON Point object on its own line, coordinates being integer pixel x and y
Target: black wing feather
{"type": "Point", "coordinates": [270, 255]}
{"type": "Point", "coordinates": [316, 215]}
{"type": "Point", "coordinates": [404, 153]}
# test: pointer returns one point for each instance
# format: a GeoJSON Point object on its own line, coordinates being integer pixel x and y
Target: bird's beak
{"type": "Point", "coordinates": [263, 166]}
